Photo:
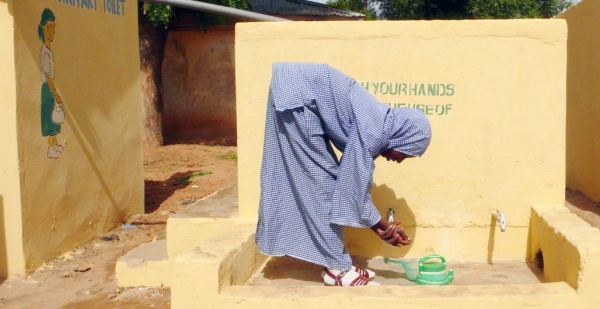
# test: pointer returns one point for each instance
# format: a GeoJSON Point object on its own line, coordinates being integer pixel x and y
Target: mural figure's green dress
{"type": "Point", "coordinates": [49, 128]}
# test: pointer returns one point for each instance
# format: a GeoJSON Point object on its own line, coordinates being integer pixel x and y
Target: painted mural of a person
{"type": "Point", "coordinates": [51, 100]}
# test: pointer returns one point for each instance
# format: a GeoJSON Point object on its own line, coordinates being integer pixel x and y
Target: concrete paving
{"type": "Point", "coordinates": [286, 271]}
{"type": "Point", "coordinates": [221, 204]}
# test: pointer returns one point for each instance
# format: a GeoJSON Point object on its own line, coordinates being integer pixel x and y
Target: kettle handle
{"type": "Point", "coordinates": [389, 260]}
{"type": "Point", "coordinates": [431, 256]}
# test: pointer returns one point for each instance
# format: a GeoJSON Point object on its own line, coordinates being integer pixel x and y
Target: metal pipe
{"type": "Point", "coordinates": [217, 9]}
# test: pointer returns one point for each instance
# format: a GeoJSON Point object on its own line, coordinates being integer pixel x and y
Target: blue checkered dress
{"type": "Point", "coordinates": [307, 193]}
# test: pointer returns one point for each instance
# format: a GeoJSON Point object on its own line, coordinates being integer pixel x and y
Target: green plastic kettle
{"type": "Point", "coordinates": [434, 273]}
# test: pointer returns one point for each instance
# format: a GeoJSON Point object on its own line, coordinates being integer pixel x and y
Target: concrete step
{"type": "Point", "coordinates": [229, 258]}
{"type": "Point", "coordinates": [201, 220]}
{"type": "Point", "coordinates": [151, 264]}
{"type": "Point", "coordinates": [146, 265]}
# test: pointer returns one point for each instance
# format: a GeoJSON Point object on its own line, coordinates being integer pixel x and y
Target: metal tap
{"type": "Point", "coordinates": [499, 215]}
{"type": "Point", "coordinates": [390, 215]}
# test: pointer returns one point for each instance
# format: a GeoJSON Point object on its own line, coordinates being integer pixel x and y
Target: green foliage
{"type": "Point", "coordinates": [158, 14]}
{"type": "Point", "coordinates": [423, 9]}
{"type": "Point", "coordinates": [228, 156]}
{"type": "Point", "coordinates": [365, 7]}
{"type": "Point", "coordinates": [187, 179]}
{"type": "Point", "coordinates": [161, 15]}
{"type": "Point", "coordinates": [238, 4]}
{"type": "Point", "coordinates": [517, 8]}
{"type": "Point", "coordinates": [471, 9]}
{"type": "Point", "coordinates": [204, 19]}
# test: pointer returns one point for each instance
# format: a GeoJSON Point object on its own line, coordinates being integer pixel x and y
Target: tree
{"type": "Point", "coordinates": [423, 9]}
{"type": "Point", "coordinates": [154, 20]}
{"type": "Point", "coordinates": [366, 7]}
{"type": "Point", "coordinates": [470, 9]}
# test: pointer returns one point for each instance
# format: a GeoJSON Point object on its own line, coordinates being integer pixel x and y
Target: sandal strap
{"type": "Point", "coordinates": [360, 280]}
{"type": "Point", "coordinates": [362, 272]}
{"type": "Point", "coordinates": [337, 278]}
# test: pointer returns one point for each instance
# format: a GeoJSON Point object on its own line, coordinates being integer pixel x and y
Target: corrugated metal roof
{"type": "Point", "coordinates": [297, 7]}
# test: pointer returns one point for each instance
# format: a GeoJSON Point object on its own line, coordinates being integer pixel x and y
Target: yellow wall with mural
{"type": "Point", "coordinates": [82, 177]}
{"type": "Point", "coordinates": [11, 241]}
{"type": "Point", "coordinates": [583, 91]}
{"type": "Point", "coordinates": [498, 128]}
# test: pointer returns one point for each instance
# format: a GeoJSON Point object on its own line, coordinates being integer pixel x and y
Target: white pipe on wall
{"type": "Point", "coordinates": [217, 9]}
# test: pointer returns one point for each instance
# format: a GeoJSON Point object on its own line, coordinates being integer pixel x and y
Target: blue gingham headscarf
{"type": "Point", "coordinates": [411, 132]}
{"type": "Point", "coordinates": [402, 129]}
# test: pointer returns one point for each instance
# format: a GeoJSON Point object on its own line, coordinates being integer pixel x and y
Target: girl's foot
{"type": "Point", "coordinates": [345, 278]}
{"type": "Point", "coordinates": [367, 273]}
{"type": "Point", "coordinates": [364, 272]}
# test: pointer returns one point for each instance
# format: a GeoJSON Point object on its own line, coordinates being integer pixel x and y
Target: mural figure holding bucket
{"type": "Point", "coordinates": [52, 113]}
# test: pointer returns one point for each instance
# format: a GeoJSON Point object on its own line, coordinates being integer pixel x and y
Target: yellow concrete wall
{"type": "Point", "coordinates": [98, 179]}
{"type": "Point", "coordinates": [11, 248]}
{"type": "Point", "coordinates": [583, 91]}
{"type": "Point", "coordinates": [498, 128]}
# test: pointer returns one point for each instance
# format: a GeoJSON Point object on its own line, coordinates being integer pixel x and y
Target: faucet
{"type": "Point", "coordinates": [499, 215]}
{"type": "Point", "coordinates": [390, 215]}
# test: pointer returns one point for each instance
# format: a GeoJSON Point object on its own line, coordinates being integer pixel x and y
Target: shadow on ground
{"type": "Point", "coordinates": [156, 192]}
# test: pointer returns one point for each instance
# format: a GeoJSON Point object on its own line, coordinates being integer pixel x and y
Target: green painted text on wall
{"type": "Point", "coordinates": [409, 89]}
{"type": "Point", "coordinates": [428, 109]}
{"type": "Point", "coordinates": [415, 90]}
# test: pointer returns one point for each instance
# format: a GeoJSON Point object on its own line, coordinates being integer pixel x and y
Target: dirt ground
{"type": "Point", "coordinates": [175, 177]}
{"type": "Point", "coordinates": [584, 207]}
{"type": "Point", "coordinates": [84, 278]}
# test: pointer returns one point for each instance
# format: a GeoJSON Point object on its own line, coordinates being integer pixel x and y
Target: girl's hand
{"type": "Point", "coordinates": [392, 233]}
{"type": "Point", "coordinates": [403, 238]}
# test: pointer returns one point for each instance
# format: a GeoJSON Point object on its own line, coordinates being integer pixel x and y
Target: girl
{"type": "Point", "coordinates": [308, 194]}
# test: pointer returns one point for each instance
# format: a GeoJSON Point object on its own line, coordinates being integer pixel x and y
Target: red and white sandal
{"type": "Point", "coordinates": [345, 278]}
{"type": "Point", "coordinates": [364, 272]}
{"type": "Point", "coordinates": [367, 273]}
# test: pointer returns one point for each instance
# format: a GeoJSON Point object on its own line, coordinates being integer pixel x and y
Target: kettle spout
{"type": "Point", "coordinates": [450, 275]}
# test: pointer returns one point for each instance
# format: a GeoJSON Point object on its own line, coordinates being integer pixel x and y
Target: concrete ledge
{"type": "Point", "coordinates": [146, 265]}
{"type": "Point", "coordinates": [151, 264]}
{"type": "Point", "coordinates": [228, 258]}
{"type": "Point", "coordinates": [219, 267]}
{"type": "Point", "coordinates": [213, 274]}
{"type": "Point", "coordinates": [201, 220]}
{"type": "Point", "coordinates": [569, 247]}
{"type": "Point", "coordinates": [546, 296]}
